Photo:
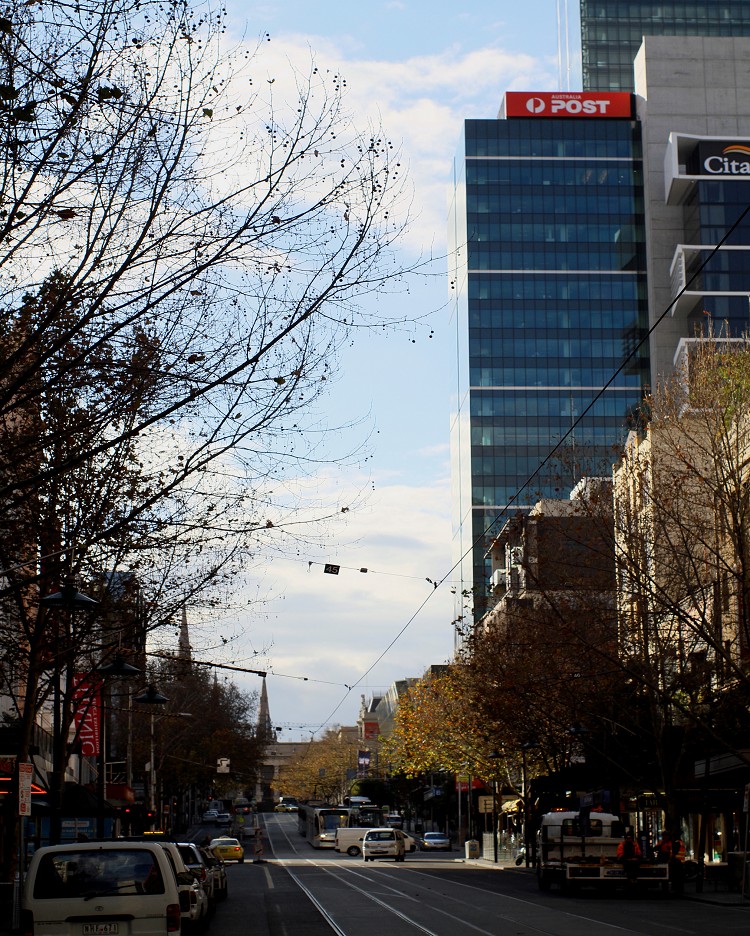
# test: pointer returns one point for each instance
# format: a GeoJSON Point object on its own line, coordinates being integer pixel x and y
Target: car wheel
{"type": "Point", "coordinates": [241, 861]}
{"type": "Point", "coordinates": [353, 850]}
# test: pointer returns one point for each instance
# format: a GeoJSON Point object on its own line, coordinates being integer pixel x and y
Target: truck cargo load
{"type": "Point", "coordinates": [579, 848]}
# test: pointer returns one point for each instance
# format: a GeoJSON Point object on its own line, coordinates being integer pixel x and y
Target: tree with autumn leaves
{"type": "Point", "coordinates": [321, 769]}
{"type": "Point", "coordinates": [437, 730]}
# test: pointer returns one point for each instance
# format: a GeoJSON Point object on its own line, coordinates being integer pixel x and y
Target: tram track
{"type": "Point", "coordinates": [376, 887]}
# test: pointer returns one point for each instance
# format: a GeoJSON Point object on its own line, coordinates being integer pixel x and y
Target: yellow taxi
{"type": "Point", "coordinates": [228, 849]}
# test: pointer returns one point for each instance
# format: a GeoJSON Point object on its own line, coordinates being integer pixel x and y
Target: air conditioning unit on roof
{"type": "Point", "coordinates": [497, 580]}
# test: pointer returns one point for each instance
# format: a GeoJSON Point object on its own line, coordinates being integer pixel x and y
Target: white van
{"type": "Point", "coordinates": [100, 889]}
{"type": "Point", "coordinates": [384, 843]}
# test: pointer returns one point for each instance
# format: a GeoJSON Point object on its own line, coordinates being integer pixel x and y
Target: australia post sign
{"type": "Point", "coordinates": [568, 104]}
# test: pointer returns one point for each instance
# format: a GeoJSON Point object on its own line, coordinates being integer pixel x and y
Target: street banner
{"type": "Point", "coordinates": [87, 713]}
{"type": "Point", "coordinates": [25, 773]}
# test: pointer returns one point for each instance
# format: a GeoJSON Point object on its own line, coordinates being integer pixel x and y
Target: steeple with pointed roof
{"type": "Point", "coordinates": [265, 725]}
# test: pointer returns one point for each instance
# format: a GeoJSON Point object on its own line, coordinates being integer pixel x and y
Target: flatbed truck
{"type": "Point", "coordinates": [576, 849]}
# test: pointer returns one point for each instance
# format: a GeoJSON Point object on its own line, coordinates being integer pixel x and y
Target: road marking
{"type": "Point", "coordinates": [314, 900]}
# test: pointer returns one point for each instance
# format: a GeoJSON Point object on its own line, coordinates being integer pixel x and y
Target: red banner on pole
{"type": "Point", "coordinates": [87, 713]}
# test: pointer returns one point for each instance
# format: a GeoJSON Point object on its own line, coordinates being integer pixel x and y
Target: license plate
{"type": "Point", "coordinates": [100, 929]}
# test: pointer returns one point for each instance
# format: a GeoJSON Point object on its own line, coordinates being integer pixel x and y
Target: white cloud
{"type": "Point", "coordinates": [420, 101]}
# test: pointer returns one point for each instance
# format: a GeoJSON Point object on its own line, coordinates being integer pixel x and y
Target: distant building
{"type": "Point", "coordinates": [561, 555]}
{"type": "Point", "coordinates": [612, 32]}
{"type": "Point", "coordinates": [549, 281]}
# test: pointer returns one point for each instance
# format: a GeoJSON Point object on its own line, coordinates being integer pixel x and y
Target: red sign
{"type": "Point", "coordinates": [87, 712]}
{"type": "Point", "coordinates": [568, 104]}
{"type": "Point", "coordinates": [462, 784]}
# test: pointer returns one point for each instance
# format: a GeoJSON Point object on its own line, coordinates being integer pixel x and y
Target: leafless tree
{"type": "Point", "coordinates": [179, 262]}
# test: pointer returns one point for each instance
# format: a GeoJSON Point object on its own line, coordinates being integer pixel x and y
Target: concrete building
{"type": "Point", "coordinates": [694, 109]}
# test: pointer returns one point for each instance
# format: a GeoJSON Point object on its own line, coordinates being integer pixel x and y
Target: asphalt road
{"type": "Point", "coordinates": [296, 890]}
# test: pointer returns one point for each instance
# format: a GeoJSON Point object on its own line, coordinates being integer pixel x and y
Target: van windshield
{"type": "Point", "coordinates": [89, 873]}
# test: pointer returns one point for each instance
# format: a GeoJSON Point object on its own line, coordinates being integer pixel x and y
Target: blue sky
{"type": "Point", "coordinates": [420, 68]}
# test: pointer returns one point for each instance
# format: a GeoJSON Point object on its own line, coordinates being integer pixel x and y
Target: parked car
{"type": "Point", "coordinates": [228, 849]}
{"type": "Point", "coordinates": [98, 884]}
{"type": "Point", "coordinates": [219, 871]}
{"type": "Point", "coordinates": [435, 841]}
{"type": "Point", "coordinates": [210, 815]}
{"type": "Point", "coordinates": [193, 898]}
{"type": "Point", "coordinates": [197, 866]}
{"type": "Point", "coordinates": [384, 843]}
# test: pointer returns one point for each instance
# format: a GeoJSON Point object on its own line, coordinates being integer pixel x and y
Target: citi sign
{"type": "Point", "coordinates": [732, 160]}
{"type": "Point", "coordinates": [568, 104]}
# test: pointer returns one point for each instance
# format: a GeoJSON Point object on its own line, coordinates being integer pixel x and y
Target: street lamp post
{"type": "Point", "coordinates": [152, 696]}
{"type": "Point", "coordinates": [494, 756]}
{"type": "Point", "coordinates": [528, 746]}
{"type": "Point", "coordinates": [459, 785]}
{"type": "Point", "coordinates": [525, 784]}
{"type": "Point", "coordinates": [68, 599]}
{"type": "Point", "coordinates": [117, 667]}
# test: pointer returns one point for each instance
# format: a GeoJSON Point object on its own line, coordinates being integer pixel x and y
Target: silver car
{"type": "Point", "coordinates": [384, 843]}
{"type": "Point", "coordinates": [435, 841]}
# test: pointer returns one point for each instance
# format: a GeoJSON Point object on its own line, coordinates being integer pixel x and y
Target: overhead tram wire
{"type": "Point", "coordinates": [241, 669]}
{"type": "Point", "coordinates": [626, 360]}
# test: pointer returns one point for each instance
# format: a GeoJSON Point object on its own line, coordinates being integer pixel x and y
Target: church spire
{"type": "Point", "coordinates": [185, 651]}
{"type": "Point", "coordinates": [265, 725]}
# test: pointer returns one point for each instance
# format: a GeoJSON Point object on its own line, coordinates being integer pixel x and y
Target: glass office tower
{"type": "Point", "coordinates": [612, 31]}
{"type": "Point", "coordinates": [547, 228]}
